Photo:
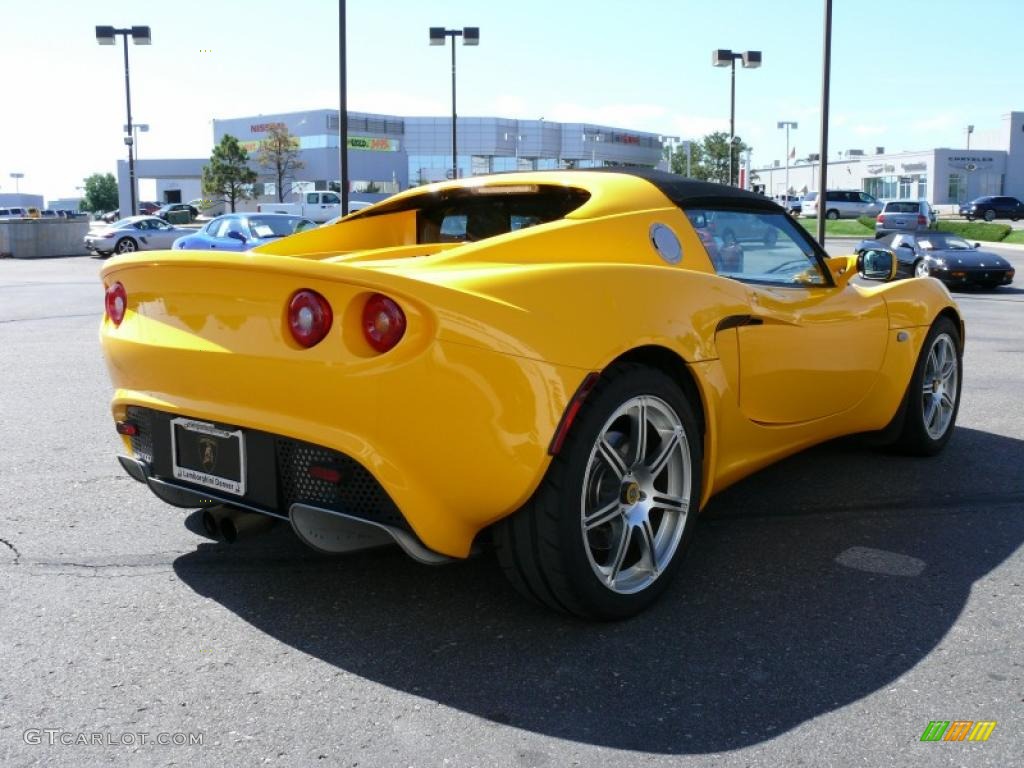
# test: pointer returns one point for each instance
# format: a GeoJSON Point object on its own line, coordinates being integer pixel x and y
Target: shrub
{"type": "Point", "coordinates": [975, 230]}
{"type": "Point", "coordinates": [867, 221]}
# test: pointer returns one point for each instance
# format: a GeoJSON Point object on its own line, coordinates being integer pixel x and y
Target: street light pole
{"type": "Point", "coordinates": [17, 182]}
{"type": "Point", "coordinates": [140, 36]}
{"type": "Point", "coordinates": [787, 124]}
{"type": "Point", "coordinates": [723, 57]}
{"type": "Point", "coordinates": [439, 36]}
{"type": "Point", "coordinates": [826, 74]}
{"type": "Point", "coordinates": [970, 130]}
{"type": "Point", "coordinates": [343, 107]}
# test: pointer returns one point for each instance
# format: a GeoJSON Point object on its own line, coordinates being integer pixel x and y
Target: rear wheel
{"type": "Point", "coordinates": [606, 530]}
{"type": "Point", "coordinates": [990, 215]}
{"type": "Point", "coordinates": [126, 245]}
{"type": "Point", "coordinates": [933, 396]}
{"type": "Point", "coordinates": [833, 214]}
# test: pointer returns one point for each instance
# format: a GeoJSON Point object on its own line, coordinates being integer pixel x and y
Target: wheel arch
{"type": "Point", "coordinates": [957, 320]}
{"type": "Point", "coordinates": [676, 368]}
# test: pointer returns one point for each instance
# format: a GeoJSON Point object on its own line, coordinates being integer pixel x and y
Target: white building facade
{"type": "Point", "coordinates": [942, 176]}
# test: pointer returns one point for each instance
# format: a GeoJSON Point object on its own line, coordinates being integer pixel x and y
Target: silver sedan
{"type": "Point", "coordinates": [135, 233]}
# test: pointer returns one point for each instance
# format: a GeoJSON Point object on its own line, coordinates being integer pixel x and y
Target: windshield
{"type": "Point", "coordinates": [275, 226]}
{"type": "Point", "coordinates": [944, 243]}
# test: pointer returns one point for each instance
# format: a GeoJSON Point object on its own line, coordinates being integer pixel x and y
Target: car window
{"type": "Point", "coordinates": [142, 224]}
{"type": "Point", "coordinates": [332, 199]}
{"type": "Point", "coordinates": [469, 215]}
{"type": "Point", "coordinates": [313, 197]}
{"type": "Point", "coordinates": [901, 207]}
{"type": "Point", "coordinates": [866, 198]}
{"type": "Point", "coordinates": [212, 227]}
{"type": "Point", "coordinates": [160, 224]}
{"type": "Point", "coordinates": [770, 251]}
{"type": "Point", "coordinates": [223, 228]}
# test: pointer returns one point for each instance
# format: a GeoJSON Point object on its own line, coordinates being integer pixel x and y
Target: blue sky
{"type": "Point", "coordinates": [907, 74]}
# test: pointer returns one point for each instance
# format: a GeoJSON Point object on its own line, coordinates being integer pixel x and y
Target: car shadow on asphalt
{"type": "Point", "coordinates": [813, 584]}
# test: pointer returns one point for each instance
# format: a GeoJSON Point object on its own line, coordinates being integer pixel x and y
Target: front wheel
{"type": "Point", "coordinates": [933, 396]}
{"type": "Point", "coordinates": [921, 268]}
{"type": "Point", "coordinates": [990, 215]}
{"type": "Point", "coordinates": [606, 530]}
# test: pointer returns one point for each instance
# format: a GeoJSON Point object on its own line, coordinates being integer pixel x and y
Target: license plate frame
{"type": "Point", "coordinates": [213, 441]}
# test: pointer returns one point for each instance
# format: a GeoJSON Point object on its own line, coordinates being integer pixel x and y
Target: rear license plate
{"type": "Point", "coordinates": [207, 455]}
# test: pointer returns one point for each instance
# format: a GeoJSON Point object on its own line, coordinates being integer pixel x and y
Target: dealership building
{"type": "Point", "coordinates": [941, 176]}
{"type": "Point", "coordinates": [389, 153]}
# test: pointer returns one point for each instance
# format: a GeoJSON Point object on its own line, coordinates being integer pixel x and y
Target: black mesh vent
{"type": "Point", "coordinates": [142, 443]}
{"type": "Point", "coordinates": [358, 493]}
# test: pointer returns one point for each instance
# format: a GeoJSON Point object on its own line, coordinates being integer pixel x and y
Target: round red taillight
{"type": "Point", "coordinates": [309, 317]}
{"type": "Point", "coordinates": [383, 322]}
{"type": "Point", "coordinates": [116, 303]}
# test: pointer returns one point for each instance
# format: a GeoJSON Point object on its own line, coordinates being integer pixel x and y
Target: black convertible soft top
{"type": "Point", "coordinates": [690, 193]}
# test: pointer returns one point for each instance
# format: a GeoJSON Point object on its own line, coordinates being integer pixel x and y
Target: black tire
{"type": "Point", "coordinates": [915, 437]}
{"type": "Point", "coordinates": [969, 218]}
{"type": "Point", "coordinates": [833, 214]}
{"type": "Point", "coordinates": [543, 548]}
{"type": "Point", "coordinates": [126, 245]}
{"type": "Point", "coordinates": [990, 215]}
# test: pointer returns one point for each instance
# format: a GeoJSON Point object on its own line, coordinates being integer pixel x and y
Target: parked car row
{"type": "Point", "coordinates": [7, 214]}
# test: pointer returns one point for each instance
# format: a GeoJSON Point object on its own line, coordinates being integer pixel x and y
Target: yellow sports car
{"type": "Point", "coordinates": [564, 366]}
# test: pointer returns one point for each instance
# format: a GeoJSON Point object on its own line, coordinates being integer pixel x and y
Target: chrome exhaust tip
{"type": "Point", "coordinates": [224, 523]}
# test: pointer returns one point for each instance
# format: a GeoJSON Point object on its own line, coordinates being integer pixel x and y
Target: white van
{"type": "Point", "coordinates": [841, 204]}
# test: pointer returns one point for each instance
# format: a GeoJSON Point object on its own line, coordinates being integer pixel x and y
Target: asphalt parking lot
{"type": "Point", "coordinates": [830, 608]}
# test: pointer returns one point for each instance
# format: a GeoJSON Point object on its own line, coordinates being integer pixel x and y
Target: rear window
{"type": "Point", "coordinates": [477, 213]}
{"type": "Point", "coordinates": [902, 207]}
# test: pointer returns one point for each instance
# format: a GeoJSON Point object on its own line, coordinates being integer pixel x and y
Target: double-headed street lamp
{"type": "Point", "coordinates": [787, 124]}
{"type": "Point", "coordinates": [470, 36]}
{"type": "Point", "coordinates": [723, 57]}
{"type": "Point", "coordinates": [17, 181]}
{"type": "Point", "coordinates": [140, 36]}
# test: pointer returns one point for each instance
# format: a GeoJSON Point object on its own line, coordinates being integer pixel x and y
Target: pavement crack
{"type": "Point", "coordinates": [14, 549]}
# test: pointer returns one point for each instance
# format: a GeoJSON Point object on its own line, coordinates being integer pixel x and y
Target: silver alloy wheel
{"type": "Point", "coordinates": [921, 269]}
{"type": "Point", "coordinates": [636, 494]}
{"type": "Point", "coordinates": [941, 377]}
{"type": "Point", "coordinates": [126, 246]}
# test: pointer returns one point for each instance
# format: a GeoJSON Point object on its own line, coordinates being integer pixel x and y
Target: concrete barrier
{"type": "Point", "coordinates": [42, 238]}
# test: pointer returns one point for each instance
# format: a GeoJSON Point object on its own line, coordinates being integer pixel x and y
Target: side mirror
{"type": "Point", "coordinates": [237, 236]}
{"type": "Point", "coordinates": [977, 245]}
{"type": "Point", "coordinates": [877, 264]}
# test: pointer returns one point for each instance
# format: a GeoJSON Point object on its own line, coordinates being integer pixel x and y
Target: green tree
{"type": "Point", "coordinates": [716, 157]}
{"type": "Point", "coordinates": [279, 153]}
{"type": "Point", "coordinates": [697, 168]}
{"type": "Point", "coordinates": [228, 175]}
{"type": "Point", "coordinates": [100, 193]}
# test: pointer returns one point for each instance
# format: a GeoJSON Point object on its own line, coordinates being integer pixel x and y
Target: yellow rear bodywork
{"type": "Point", "coordinates": [455, 422]}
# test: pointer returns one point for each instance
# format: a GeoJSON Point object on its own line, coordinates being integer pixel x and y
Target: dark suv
{"type": "Point", "coordinates": [993, 207]}
{"type": "Point", "coordinates": [163, 210]}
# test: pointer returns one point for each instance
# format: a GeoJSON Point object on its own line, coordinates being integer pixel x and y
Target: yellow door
{"type": "Point", "coordinates": [809, 351]}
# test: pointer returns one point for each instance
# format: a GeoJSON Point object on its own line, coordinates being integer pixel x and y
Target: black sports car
{"type": "Point", "coordinates": [945, 256]}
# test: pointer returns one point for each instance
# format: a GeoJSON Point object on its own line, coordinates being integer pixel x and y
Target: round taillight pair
{"type": "Point", "coordinates": [383, 322]}
{"type": "Point", "coordinates": [309, 317]}
{"type": "Point", "coordinates": [116, 302]}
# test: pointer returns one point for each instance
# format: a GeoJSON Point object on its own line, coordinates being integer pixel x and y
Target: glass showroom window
{"type": "Point", "coordinates": [957, 189]}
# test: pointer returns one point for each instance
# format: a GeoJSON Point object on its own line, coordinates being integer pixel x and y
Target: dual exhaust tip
{"type": "Point", "coordinates": [227, 524]}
